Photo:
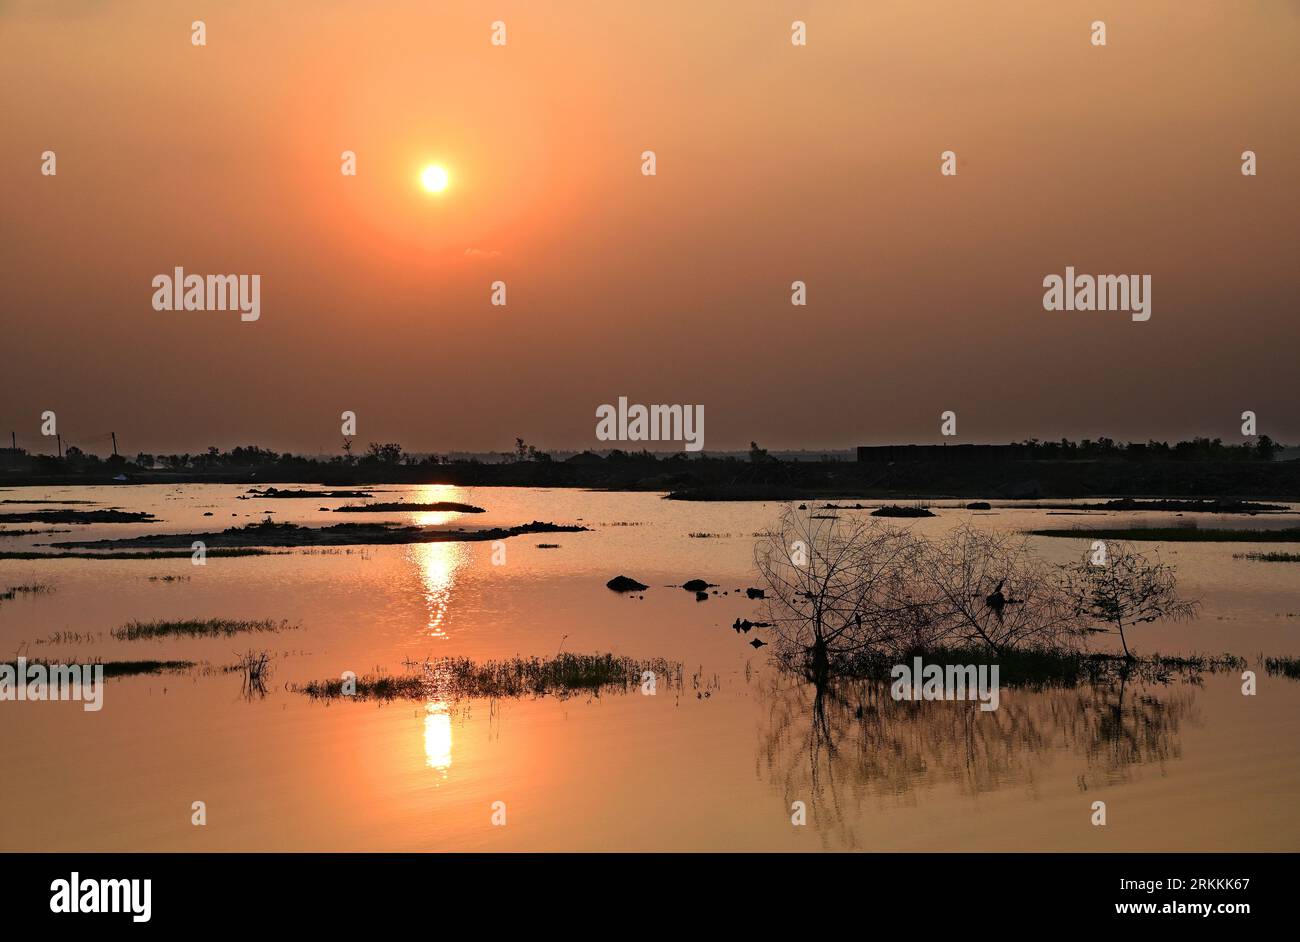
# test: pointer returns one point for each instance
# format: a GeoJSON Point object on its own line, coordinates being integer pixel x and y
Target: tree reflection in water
{"type": "Point", "coordinates": [849, 742]}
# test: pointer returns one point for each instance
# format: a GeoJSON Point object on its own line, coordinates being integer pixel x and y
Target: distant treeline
{"type": "Point", "coordinates": [1197, 449]}
{"type": "Point", "coordinates": [1199, 468]}
{"type": "Point", "coordinates": [1263, 449]}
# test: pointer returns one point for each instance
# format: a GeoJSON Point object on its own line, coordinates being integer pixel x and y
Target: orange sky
{"type": "Point", "coordinates": [775, 163]}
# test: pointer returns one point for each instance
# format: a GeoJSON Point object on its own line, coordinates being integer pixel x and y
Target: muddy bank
{"type": "Point", "coordinates": [1172, 505]}
{"type": "Point", "coordinates": [442, 506]}
{"type": "Point", "coordinates": [274, 493]}
{"type": "Point", "coordinates": [140, 554]}
{"type": "Point", "coordinates": [1177, 534]}
{"type": "Point", "coordinates": [340, 534]}
{"type": "Point", "coordinates": [77, 516]}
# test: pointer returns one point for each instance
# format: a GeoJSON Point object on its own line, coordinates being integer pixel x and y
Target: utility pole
{"type": "Point", "coordinates": [13, 440]}
{"type": "Point", "coordinates": [58, 438]}
{"type": "Point", "coordinates": [114, 434]}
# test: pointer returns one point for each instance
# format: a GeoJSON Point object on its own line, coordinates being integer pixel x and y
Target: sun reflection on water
{"type": "Point", "coordinates": [438, 563]}
{"type": "Point", "coordinates": [437, 736]}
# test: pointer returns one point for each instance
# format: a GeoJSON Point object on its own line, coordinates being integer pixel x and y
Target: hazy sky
{"type": "Point", "coordinates": [775, 163]}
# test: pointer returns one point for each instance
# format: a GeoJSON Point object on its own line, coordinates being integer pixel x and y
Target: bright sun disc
{"type": "Point", "coordinates": [434, 179]}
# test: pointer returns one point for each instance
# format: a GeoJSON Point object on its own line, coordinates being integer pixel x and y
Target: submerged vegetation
{"type": "Point", "coordinates": [461, 678]}
{"type": "Point", "coordinates": [196, 628]}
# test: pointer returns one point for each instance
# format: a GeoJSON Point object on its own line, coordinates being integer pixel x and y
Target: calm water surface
{"type": "Point", "coordinates": [1181, 767]}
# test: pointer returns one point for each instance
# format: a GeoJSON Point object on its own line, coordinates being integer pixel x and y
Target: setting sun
{"type": "Point", "coordinates": [434, 178]}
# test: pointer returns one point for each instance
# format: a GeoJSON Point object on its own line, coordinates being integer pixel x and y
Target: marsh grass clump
{"type": "Point", "coordinates": [460, 678]}
{"type": "Point", "coordinates": [1269, 557]}
{"type": "Point", "coordinates": [255, 669]}
{"type": "Point", "coordinates": [372, 687]}
{"type": "Point", "coordinates": [1284, 666]}
{"type": "Point", "coordinates": [197, 628]}
{"type": "Point", "coordinates": [71, 637]}
{"type": "Point", "coordinates": [33, 588]}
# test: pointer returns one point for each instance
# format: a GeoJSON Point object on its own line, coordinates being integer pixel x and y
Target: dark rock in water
{"type": "Point", "coordinates": [746, 624]}
{"type": "Point", "coordinates": [757, 643]}
{"type": "Point", "coordinates": [697, 585]}
{"type": "Point", "coordinates": [701, 596]}
{"type": "Point", "coordinates": [979, 505]}
{"type": "Point", "coordinates": [207, 513]}
{"type": "Point", "coordinates": [624, 584]}
{"type": "Point", "coordinates": [755, 593]}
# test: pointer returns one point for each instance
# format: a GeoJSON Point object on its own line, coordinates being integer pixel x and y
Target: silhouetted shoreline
{"type": "Point", "coordinates": [1202, 469]}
